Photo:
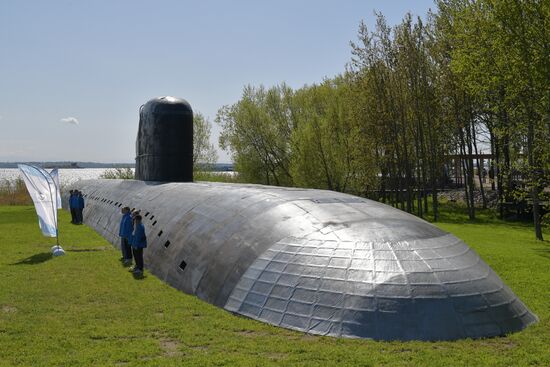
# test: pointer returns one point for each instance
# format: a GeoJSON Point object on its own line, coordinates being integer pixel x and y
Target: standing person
{"type": "Point", "coordinates": [125, 232]}
{"type": "Point", "coordinates": [72, 206]}
{"type": "Point", "coordinates": [139, 242]}
{"type": "Point", "coordinates": [80, 206]}
{"type": "Point", "coordinates": [133, 214]}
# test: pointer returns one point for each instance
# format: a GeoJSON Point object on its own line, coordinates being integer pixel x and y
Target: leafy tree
{"type": "Point", "coordinates": [204, 153]}
{"type": "Point", "coordinates": [256, 130]}
{"type": "Point", "coordinates": [474, 74]}
{"type": "Point", "coordinates": [500, 52]}
{"type": "Point", "coordinates": [325, 140]}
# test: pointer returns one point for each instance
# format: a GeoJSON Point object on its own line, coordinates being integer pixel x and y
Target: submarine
{"type": "Point", "coordinates": [316, 261]}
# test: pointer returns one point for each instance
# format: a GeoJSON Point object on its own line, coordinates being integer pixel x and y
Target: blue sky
{"type": "Point", "coordinates": [96, 62]}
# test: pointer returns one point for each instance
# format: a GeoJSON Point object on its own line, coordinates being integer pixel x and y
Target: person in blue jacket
{"type": "Point", "coordinates": [80, 206]}
{"type": "Point", "coordinates": [72, 206]}
{"type": "Point", "coordinates": [125, 232]}
{"type": "Point", "coordinates": [139, 242]}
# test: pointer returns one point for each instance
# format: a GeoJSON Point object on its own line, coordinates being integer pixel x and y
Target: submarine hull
{"type": "Point", "coordinates": [317, 261]}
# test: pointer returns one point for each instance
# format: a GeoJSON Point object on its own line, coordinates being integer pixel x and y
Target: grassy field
{"type": "Point", "coordinates": [85, 309]}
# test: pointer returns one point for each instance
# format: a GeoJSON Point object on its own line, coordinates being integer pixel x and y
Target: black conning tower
{"type": "Point", "coordinates": [164, 144]}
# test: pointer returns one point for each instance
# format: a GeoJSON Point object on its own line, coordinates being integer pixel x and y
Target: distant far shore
{"type": "Point", "coordinates": [74, 165]}
{"type": "Point", "coordinates": [67, 164]}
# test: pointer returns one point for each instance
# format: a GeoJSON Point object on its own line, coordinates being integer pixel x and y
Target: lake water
{"type": "Point", "coordinates": [70, 175]}
{"type": "Point", "coordinates": [66, 175]}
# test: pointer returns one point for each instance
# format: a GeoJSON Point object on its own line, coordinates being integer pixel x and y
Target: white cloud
{"type": "Point", "coordinates": [70, 120]}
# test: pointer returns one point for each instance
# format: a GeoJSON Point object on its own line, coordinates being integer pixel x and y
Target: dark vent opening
{"type": "Point", "coordinates": [160, 233]}
{"type": "Point", "coordinates": [152, 216]}
{"type": "Point", "coordinates": [155, 222]}
{"type": "Point", "coordinates": [166, 244]}
{"type": "Point", "coordinates": [146, 214]}
{"type": "Point", "coordinates": [183, 264]}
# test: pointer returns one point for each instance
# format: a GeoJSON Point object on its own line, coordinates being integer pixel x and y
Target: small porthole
{"type": "Point", "coordinates": [166, 244]}
{"type": "Point", "coordinates": [183, 264]}
{"type": "Point", "coordinates": [155, 222]}
{"type": "Point", "coordinates": [160, 233]}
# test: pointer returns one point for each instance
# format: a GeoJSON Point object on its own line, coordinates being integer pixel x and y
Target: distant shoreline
{"type": "Point", "coordinates": [72, 165]}
{"type": "Point", "coordinates": [77, 165]}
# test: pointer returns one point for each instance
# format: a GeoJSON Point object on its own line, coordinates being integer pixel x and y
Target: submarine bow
{"type": "Point", "coordinates": [312, 260]}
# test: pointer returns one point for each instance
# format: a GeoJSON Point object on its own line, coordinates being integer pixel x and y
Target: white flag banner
{"type": "Point", "coordinates": [54, 173]}
{"type": "Point", "coordinates": [42, 189]}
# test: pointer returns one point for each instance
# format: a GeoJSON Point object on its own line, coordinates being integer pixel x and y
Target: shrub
{"type": "Point", "coordinates": [118, 173]}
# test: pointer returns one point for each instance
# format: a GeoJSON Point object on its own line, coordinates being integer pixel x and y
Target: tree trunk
{"type": "Point", "coordinates": [534, 177]}
{"type": "Point", "coordinates": [479, 168]}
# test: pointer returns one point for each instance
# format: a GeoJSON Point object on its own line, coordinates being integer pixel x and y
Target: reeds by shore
{"type": "Point", "coordinates": [14, 192]}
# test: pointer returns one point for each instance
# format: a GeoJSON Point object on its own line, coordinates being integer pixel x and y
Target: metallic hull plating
{"type": "Point", "coordinates": [316, 261]}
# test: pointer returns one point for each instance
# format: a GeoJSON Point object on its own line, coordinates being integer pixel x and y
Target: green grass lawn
{"type": "Point", "coordinates": [85, 309]}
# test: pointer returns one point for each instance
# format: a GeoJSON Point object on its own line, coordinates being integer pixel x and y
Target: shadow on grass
{"type": "Point", "coordinates": [138, 276]}
{"type": "Point", "coordinates": [544, 252]}
{"type": "Point", "coordinates": [35, 259]}
{"type": "Point", "coordinates": [454, 213]}
{"type": "Point", "coordinates": [85, 249]}
{"type": "Point", "coordinates": [125, 263]}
